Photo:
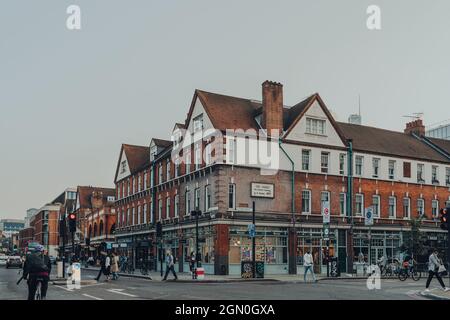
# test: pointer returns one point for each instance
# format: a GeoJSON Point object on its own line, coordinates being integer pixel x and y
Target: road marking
{"type": "Point", "coordinates": [119, 291]}
{"type": "Point", "coordinates": [92, 297]}
{"type": "Point", "coordinates": [61, 287]}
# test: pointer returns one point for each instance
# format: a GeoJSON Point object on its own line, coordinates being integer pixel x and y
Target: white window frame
{"type": "Point", "coordinates": [434, 174]}
{"type": "Point", "coordinates": [376, 206]}
{"type": "Point", "coordinates": [447, 176]}
{"type": "Point", "coordinates": [197, 199]}
{"type": "Point", "coordinates": [342, 161]}
{"type": "Point", "coordinates": [361, 166]}
{"type": "Point", "coordinates": [306, 191]}
{"type": "Point", "coordinates": [433, 203]}
{"type": "Point", "coordinates": [133, 218]}
{"type": "Point", "coordinates": [198, 156]}
{"type": "Point", "coordinates": [343, 209]}
{"type": "Point", "coordinates": [160, 206]}
{"type": "Point", "coordinates": [160, 173]}
{"type": "Point", "coordinates": [145, 212]}
{"type": "Point", "coordinates": [361, 212]}
{"type": "Point", "coordinates": [138, 214]}
{"type": "Point", "coordinates": [316, 126]}
{"type": "Point", "coordinates": [187, 202]}
{"type": "Point", "coordinates": [207, 197]}
{"type": "Point", "coordinates": [409, 208]}
{"type": "Point", "coordinates": [422, 201]}
{"type": "Point", "coordinates": [394, 206]}
{"type": "Point", "coordinates": [168, 207]}
{"type": "Point", "coordinates": [391, 169]}
{"type": "Point", "coordinates": [168, 169]}
{"type": "Point", "coordinates": [306, 155]}
{"type": "Point", "coordinates": [376, 167]}
{"type": "Point", "coordinates": [176, 202]}
{"type": "Point", "coordinates": [325, 165]}
{"type": "Point", "coordinates": [420, 171]}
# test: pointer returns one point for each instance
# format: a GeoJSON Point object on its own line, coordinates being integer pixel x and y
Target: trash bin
{"type": "Point", "coordinates": [247, 269]}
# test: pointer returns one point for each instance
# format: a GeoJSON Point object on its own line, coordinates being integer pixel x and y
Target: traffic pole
{"type": "Point", "coordinates": [254, 242]}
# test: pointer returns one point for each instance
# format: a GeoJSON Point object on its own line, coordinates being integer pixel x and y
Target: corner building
{"type": "Point", "coordinates": [316, 161]}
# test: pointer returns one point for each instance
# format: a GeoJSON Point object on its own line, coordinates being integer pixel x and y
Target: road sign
{"type": "Point", "coordinates": [368, 221]}
{"type": "Point", "coordinates": [326, 231]}
{"type": "Point", "coordinates": [251, 230]}
{"type": "Point", "coordinates": [326, 212]}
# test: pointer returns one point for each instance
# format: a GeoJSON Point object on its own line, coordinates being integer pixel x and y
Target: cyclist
{"type": "Point", "coordinates": [37, 267]}
{"type": "Point", "coordinates": [382, 263]}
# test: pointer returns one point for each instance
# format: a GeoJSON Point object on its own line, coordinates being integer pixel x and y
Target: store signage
{"type": "Point", "coordinates": [368, 221]}
{"type": "Point", "coordinates": [115, 245]}
{"type": "Point", "coordinates": [262, 190]}
{"type": "Point", "coordinates": [326, 212]}
{"type": "Point", "coordinates": [123, 245]}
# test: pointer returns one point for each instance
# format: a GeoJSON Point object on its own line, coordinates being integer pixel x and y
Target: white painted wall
{"type": "Point", "coordinates": [127, 172]}
{"type": "Point", "coordinates": [331, 137]}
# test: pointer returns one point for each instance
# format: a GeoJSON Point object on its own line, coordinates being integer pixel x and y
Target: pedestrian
{"type": "Point", "coordinates": [169, 265]}
{"type": "Point", "coordinates": [434, 269]}
{"type": "Point", "coordinates": [102, 265]}
{"type": "Point", "coordinates": [308, 263]}
{"type": "Point", "coordinates": [382, 263]}
{"type": "Point", "coordinates": [108, 267]}
{"type": "Point", "coordinates": [115, 266]}
{"type": "Point", "coordinates": [192, 264]}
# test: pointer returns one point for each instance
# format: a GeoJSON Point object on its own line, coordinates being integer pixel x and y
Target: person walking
{"type": "Point", "coordinates": [308, 263]}
{"type": "Point", "coordinates": [115, 266]}
{"type": "Point", "coordinates": [192, 264]}
{"type": "Point", "coordinates": [102, 265]}
{"type": "Point", "coordinates": [434, 269]}
{"type": "Point", "coordinates": [169, 265]}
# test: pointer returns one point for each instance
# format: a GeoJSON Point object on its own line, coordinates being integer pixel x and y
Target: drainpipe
{"type": "Point", "coordinates": [292, 265]}
{"type": "Point", "coordinates": [350, 205]}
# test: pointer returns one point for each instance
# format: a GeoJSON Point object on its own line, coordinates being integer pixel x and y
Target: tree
{"type": "Point", "coordinates": [414, 240]}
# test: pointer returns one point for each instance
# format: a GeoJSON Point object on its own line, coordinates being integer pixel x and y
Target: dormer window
{"type": "Point", "coordinates": [198, 123]}
{"type": "Point", "coordinates": [176, 138]}
{"type": "Point", "coordinates": [315, 126]}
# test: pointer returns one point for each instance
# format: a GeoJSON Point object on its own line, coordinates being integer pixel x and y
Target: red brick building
{"type": "Point", "coordinates": [25, 236]}
{"type": "Point", "coordinates": [219, 162]}
{"type": "Point", "coordinates": [45, 225]}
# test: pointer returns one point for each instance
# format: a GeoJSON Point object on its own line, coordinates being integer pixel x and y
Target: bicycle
{"type": "Point", "coordinates": [409, 272]}
{"type": "Point", "coordinates": [129, 268]}
{"type": "Point", "coordinates": [38, 294]}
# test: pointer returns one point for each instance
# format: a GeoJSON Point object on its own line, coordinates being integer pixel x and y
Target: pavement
{"type": "Point", "coordinates": [436, 294]}
{"type": "Point", "coordinates": [133, 288]}
{"type": "Point", "coordinates": [187, 277]}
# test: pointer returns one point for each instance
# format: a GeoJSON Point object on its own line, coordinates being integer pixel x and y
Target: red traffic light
{"type": "Point", "coordinates": [72, 216]}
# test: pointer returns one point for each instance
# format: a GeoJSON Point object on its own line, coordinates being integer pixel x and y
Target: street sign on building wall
{"type": "Point", "coordinates": [326, 212]}
{"type": "Point", "coordinates": [368, 215]}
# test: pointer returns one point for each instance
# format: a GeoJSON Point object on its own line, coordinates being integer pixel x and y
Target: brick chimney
{"type": "Point", "coordinates": [416, 127]}
{"type": "Point", "coordinates": [272, 102]}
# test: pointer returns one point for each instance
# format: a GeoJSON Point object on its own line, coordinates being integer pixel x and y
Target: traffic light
{"type": "Point", "coordinates": [72, 222]}
{"type": "Point", "coordinates": [159, 229]}
{"type": "Point", "coordinates": [444, 218]}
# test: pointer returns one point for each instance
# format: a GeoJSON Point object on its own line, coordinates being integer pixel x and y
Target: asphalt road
{"type": "Point", "coordinates": [141, 289]}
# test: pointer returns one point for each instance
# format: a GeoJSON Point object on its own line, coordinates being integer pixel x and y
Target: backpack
{"type": "Point", "coordinates": [36, 264]}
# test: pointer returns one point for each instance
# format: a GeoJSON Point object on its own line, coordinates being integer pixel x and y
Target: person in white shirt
{"type": "Point", "coordinates": [308, 264]}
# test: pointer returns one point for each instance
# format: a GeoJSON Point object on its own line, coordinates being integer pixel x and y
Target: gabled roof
{"type": "Point", "coordinates": [138, 158]}
{"type": "Point", "coordinates": [442, 144]}
{"type": "Point", "coordinates": [386, 142]}
{"type": "Point", "coordinates": [85, 194]}
{"type": "Point", "coordinates": [226, 112]}
{"type": "Point", "coordinates": [161, 143]}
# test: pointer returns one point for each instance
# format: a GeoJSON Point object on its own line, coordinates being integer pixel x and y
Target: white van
{"type": "Point", "coordinates": [3, 260]}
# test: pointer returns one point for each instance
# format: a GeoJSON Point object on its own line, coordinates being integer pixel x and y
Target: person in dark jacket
{"type": "Point", "coordinates": [103, 269]}
{"type": "Point", "coordinates": [37, 266]}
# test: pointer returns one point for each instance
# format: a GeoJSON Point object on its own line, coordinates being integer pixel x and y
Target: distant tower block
{"type": "Point", "coordinates": [354, 119]}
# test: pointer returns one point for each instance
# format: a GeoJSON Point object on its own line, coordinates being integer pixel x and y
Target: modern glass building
{"type": "Point", "coordinates": [441, 132]}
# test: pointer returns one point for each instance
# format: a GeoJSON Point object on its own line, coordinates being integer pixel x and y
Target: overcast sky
{"type": "Point", "coordinates": [69, 99]}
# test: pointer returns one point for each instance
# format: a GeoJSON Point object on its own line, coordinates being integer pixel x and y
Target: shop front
{"type": "Point", "coordinates": [311, 240]}
{"type": "Point", "coordinates": [271, 248]}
